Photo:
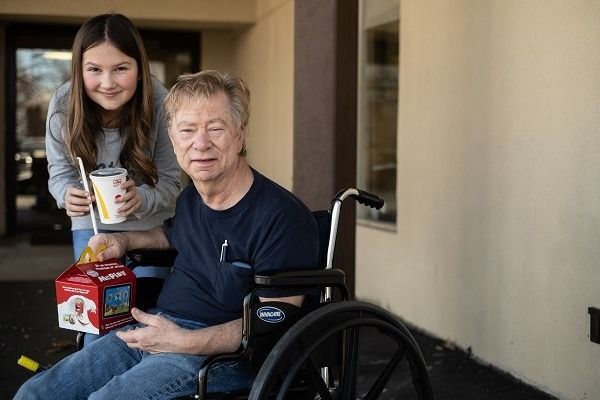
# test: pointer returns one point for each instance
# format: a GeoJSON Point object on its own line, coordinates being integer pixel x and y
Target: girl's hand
{"type": "Point", "coordinates": [131, 199]}
{"type": "Point", "coordinates": [77, 202]}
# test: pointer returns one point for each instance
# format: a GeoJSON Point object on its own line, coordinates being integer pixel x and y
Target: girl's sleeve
{"type": "Point", "coordinates": [62, 174]}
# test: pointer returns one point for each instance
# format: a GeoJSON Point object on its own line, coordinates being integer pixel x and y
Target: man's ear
{"type": "Point", "coordinates": [242, 137]}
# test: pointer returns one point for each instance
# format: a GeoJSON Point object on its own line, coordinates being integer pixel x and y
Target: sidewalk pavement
{"type": "Point", "coordinates": [21, 261]}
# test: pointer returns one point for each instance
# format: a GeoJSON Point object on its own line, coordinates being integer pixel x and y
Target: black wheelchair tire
{"type": "Point", "coordinates": [346, 318]}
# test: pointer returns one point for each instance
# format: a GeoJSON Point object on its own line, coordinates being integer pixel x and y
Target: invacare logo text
{"type": "Point", "coordinates": [270, 314]}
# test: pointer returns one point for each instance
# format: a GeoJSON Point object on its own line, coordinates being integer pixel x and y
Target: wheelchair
{"type": "Point", "coordinates": [315, 352]}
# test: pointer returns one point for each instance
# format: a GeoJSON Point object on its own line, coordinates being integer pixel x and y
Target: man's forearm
{"type": "Point", "coordinates": [153, 238]}
{"type": "Point", "coordinates": [223, 338]}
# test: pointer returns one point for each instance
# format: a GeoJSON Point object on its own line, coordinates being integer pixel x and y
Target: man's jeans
{"type": "Point", "coordinates": [108, 369]}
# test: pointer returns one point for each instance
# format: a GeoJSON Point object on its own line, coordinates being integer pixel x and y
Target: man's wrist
{"type": "Point", "coordinates": [124, 239]}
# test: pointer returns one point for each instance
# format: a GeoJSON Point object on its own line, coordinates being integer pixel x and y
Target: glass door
{"type": "Point", "coordinates": [39, 61]}
{"type": "Point", "coordinates": [39, 72]}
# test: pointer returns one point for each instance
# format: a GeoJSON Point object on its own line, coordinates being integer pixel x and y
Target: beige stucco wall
{"type": "Point", "coordinates": [181, 13]}
{"type": "Point", "coordinates": [263, 55]}
{"type": "Point", "coordinates": [498, 186]}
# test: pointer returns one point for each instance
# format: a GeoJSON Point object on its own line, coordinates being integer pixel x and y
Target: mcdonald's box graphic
{"type": "Point", "coordinates": [94, 296]}
{"type": "Point", "coordinates": [107, 188]}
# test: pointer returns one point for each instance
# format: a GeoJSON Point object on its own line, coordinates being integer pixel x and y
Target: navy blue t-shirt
{"type": "Point", "coordinates": [268, 230]}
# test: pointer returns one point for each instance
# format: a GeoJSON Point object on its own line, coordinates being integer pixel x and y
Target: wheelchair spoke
{"type": "Point", "coordinates": [379, 384]}
{"type": "Point", "coordinates": [350, 364]}
{"type": "Point", "coordinates": [312, 382]}
{"type": "Point", "coordinates": [316, 380]}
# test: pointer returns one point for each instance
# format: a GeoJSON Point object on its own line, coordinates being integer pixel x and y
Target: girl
{"type": "Point", "coordinates": [110, 114]}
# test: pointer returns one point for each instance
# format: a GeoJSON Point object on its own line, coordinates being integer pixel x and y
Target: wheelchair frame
{"type": "Point", "coordinates": [288, 373]}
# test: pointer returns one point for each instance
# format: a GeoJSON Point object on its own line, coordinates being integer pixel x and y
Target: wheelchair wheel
{"type": "Point", "coordinates": [342, 337]}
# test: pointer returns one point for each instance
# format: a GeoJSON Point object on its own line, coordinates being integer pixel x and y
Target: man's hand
{"type": "Point", "coordinates": [159, 335]}
{"type": "Point", "coordinates": [116, 245]}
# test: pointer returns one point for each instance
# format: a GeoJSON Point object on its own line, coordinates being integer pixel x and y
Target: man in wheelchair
{"type": "Point", "coordinates": [231, 222]}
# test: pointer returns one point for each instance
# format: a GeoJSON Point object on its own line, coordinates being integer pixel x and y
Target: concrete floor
{"type": "Point", "coordinates": [22, 261]}
{"type": "Point", "coordinates": [28, 321]}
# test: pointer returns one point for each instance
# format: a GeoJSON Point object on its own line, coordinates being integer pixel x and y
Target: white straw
{"type": "Point", "coordinates": [87, 189]}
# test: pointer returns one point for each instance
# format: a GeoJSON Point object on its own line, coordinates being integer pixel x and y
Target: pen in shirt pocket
{"type": "Point", "coordinates": [224, 250]}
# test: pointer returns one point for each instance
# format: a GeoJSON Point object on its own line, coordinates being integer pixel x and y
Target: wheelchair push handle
{"type": "Point", "coordinates": [363, 197]}
{"type": "Point", "coordinates": [368, 199]}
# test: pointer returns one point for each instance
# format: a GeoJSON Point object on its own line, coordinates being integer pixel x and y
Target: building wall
{"type": "Point", "coordinates": [181, 13]}
{"type": "Point", "coordinates": [263, 54]}
{"type": "Point", "coordinates": [498, 186]}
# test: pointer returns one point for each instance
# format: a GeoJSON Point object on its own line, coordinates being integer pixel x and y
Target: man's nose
{"type": "Point", "coordinates": [201, 139]}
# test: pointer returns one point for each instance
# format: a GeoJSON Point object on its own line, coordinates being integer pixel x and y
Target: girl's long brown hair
{"type": "Point", "coordinates": [136, 116]}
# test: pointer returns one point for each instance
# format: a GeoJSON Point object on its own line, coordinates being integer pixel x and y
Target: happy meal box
{"type": "Point", "coordinates": [94, 296]}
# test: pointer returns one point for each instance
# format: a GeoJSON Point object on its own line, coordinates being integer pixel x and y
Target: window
{"type": "Point", "coordinates": [378, 104]}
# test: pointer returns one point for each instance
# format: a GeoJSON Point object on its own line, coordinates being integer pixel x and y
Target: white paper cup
{"type": "Point", "coordinates": [107, 182]}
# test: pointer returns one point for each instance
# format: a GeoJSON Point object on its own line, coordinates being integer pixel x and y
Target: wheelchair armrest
{"type": "Point", "coordinates": [207, 364]}
{"type": "Point", "coordinates": [317, 277]}
{"type": "Point", "coordinates": [154, 257]}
